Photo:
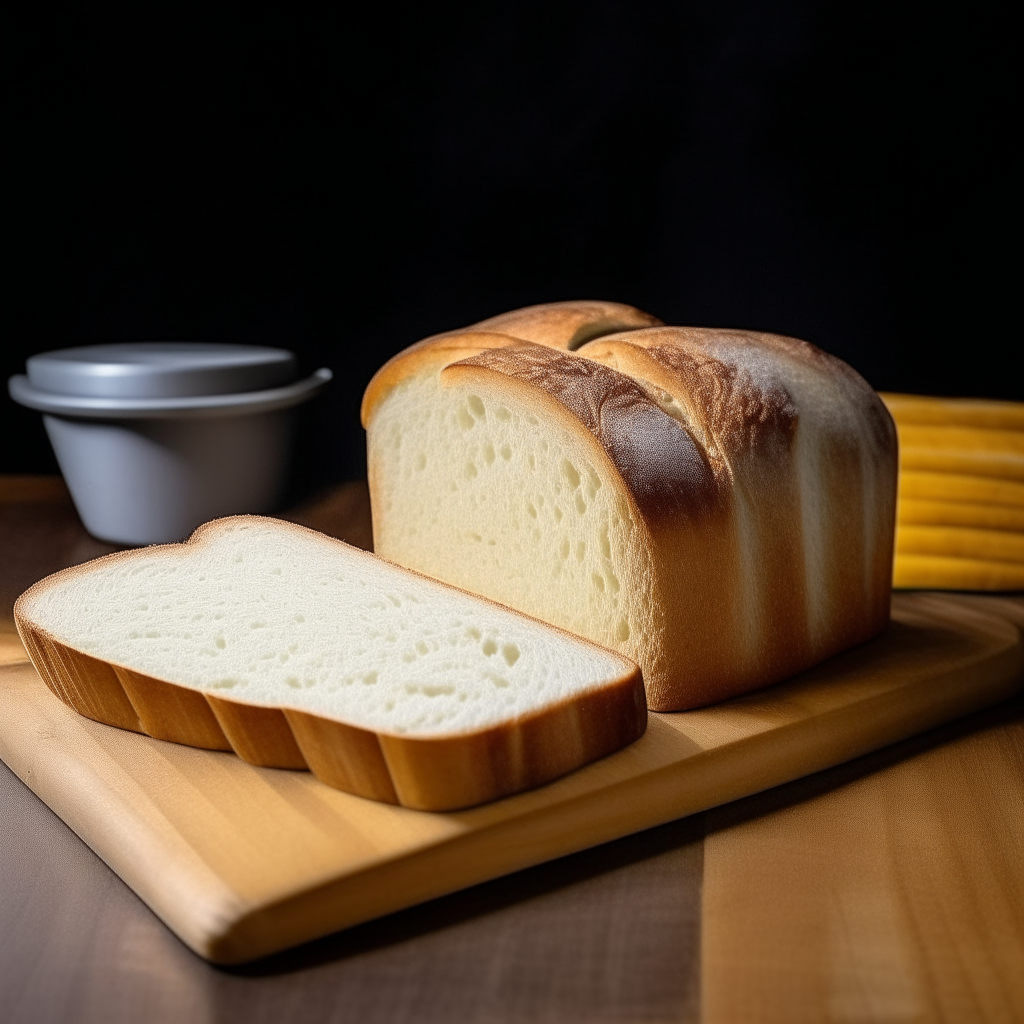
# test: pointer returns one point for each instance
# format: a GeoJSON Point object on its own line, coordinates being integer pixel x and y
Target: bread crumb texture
{"type": "Point", "coordinates": [281, 617]}
{"type": "Point", "coordinates": [716, 505]}
{"type": "Point", "coordinates": [476, 488]}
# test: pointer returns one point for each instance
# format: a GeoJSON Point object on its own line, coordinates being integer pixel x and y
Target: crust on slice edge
{"type": "Point", "coordinates": [444, 773]}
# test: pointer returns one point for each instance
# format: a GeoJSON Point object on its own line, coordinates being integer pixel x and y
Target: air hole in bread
{"type": "Point", "coordinates": [545, 502]}
{"type": "Point", "coordinates": [376, 660]}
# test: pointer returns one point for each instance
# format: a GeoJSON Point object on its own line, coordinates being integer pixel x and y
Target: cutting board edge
{"type": "Point", "coordinates": [232, 930]}
{"type": "Point", "coordinates": [185, 874]}
{"type": "Point", "coordinates": [259, 933]}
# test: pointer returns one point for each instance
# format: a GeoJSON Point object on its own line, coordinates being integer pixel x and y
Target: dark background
{"type": "Point", "coordinates": [344, 184]}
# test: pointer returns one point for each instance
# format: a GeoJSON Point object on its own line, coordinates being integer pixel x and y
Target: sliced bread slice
{"type": "Point", "coordinates": [296, 650]}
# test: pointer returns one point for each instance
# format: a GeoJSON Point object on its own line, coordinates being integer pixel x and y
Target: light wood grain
{"type": "Point", "coordinates": [881, 900]}
{"type": "Point", "coordinates": [33, 490]}
{"type": "Point", "coordinates": [241, 861]}
{"type": "Point", "coordinates": [890, 895]}
{"type": "Point", "coordinates": [11, 650]}
{"type": "Point", "coordinates": [610, 934]}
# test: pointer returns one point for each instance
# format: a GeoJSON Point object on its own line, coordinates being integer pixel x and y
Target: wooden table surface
{"type": "Point", "coordinates": [887, 889]}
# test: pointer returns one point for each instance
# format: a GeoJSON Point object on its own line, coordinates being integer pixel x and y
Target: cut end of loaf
{"type": "Point", "coordinates": [473, 486]}
{"type": "Point", "coordinates": [718, 505]}
{"type": "Point", "coordinates": [295, 650]}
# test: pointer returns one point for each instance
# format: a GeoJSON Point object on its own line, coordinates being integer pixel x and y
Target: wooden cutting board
{"type": "Point", "coordinates": [242, 861]}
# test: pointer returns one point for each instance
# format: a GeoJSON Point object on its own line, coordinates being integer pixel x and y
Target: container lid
{"type": "Point", "coordinates": [160, 369]}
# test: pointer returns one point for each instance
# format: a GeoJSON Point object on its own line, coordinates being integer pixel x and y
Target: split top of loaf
{"type": "Point", "coordinates": [717, 505]}
{"type": "Point", "coordinates": [278, 616]}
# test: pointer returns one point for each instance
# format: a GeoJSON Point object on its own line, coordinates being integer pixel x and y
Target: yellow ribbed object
{"type": "Point", "coordinates": [960, 510]}
{"type": "Point", "coordinates": [954, 412]}
{"type": "Point", "coordinates": [934, 572]}
{"type": "Point", "coordinates": [961, 542]}
{"type": "Point", "coordinates": [1005, 465]}
{"type": "Point", "coordinates": [917, 512]}
{"type": "Point", "coordinates": [960, 487]}
{"type": "Point", "coordinates": [971, 439]}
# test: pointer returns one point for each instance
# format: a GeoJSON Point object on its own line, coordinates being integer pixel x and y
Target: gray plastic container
{"type": "Point", "coordinates": [154, 438]}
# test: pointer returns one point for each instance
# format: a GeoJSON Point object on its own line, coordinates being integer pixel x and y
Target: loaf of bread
{"type": "Point", "coordinates": [717, 505]}
{"type": "Point", "coordinates": [296, 650]}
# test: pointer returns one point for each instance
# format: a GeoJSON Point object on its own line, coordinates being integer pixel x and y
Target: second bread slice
{"type": "Point", "coordinates": [295, 651]}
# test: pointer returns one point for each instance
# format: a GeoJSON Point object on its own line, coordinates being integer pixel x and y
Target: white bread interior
{"type": "Point", "coordinates": [472, 483]}
{"type": "Point", "coordinates": [716, 505]}
{"type": "Point", "coordinates": [260, 614]}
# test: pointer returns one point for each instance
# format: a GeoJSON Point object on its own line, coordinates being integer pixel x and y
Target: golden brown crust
{"type": "Point", "coordinates": [667, 473]}
{"type": "Point", "coordinates": [738, 411]}
{"type": "Point", "coordinates": [88, 685]}
{"type": "Point", "coordinates": [734, 403]}
{"type": "Point", "coordinates": [537, 748]}
{"type": "Point", "coordinates": [560, 325]}
{"type": "Point", "coordinates": [342, 755]}
{"type": "Point", "coordinates": [737, 399]}
{"type": "Point", "coordinates": [567, 325]}
{"type": "Point", "coordinates": [762, 468]}
{"type": "Point", "coordinates": [171, 712]}
{"type": "Point", "coordinates": [432, 353]}
{"type": "Point", "coordinates": [746, 394]}
{"type": "Point", "coordinates": [258, 735]}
